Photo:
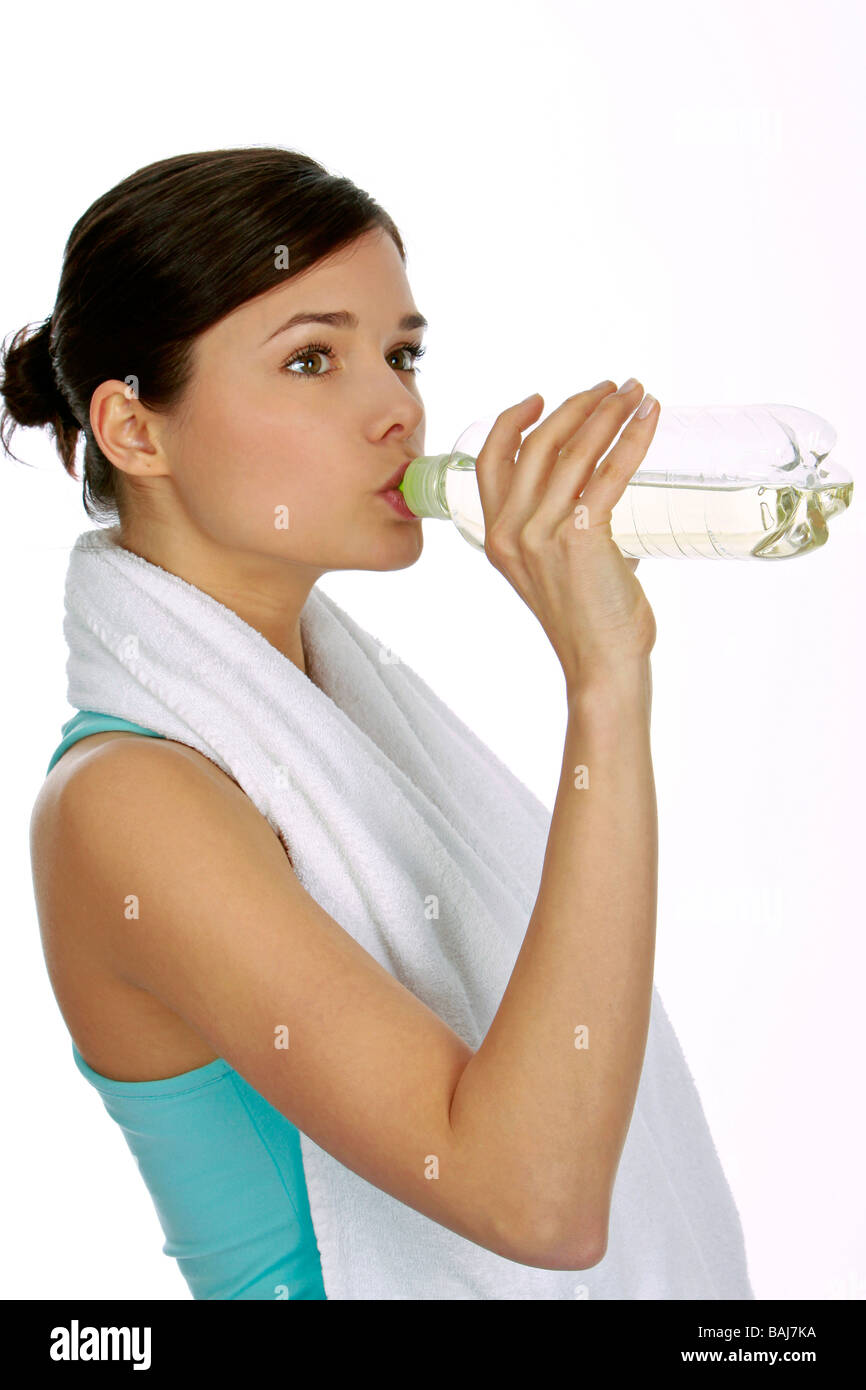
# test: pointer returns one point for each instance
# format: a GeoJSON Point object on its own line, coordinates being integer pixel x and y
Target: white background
{"type": "Point", "coordinates": [672, 191]}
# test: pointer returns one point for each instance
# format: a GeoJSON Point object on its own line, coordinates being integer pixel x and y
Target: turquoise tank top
{"type": "Point", "coordinates": [222, 1165]}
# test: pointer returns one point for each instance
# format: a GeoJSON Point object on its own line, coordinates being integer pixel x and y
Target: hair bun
{"type": "Point", "coordinates": [29, 389]}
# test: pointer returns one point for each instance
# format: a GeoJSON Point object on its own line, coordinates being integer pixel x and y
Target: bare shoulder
{"type": "Point", "coordinates": [97, 769]}
{"type": "Point", "coordinates": [107, 803]}
{"type": "Point", "coordinates": [120, 1029]}
{"type": "Point", "coordinates": [110, 751]}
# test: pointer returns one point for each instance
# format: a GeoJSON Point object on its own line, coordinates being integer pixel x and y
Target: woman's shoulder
{"type": "Point", "coordinates": [100, 783]}
{"type": "Point", "coordinates": [112, 748]}
{"type": "Point", "coordinates": [93, 780]}
{"type": "Point", "coordinates": [97, 786]}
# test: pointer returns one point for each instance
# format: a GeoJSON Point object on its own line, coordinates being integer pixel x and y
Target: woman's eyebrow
{"type": "Point", "coordinates": [341, 318]}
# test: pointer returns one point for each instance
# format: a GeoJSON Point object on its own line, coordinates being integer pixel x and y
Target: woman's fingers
{"type": "Point", "coordinates": [536, 483]}
{"type": "Point", "coordinates": [494, 465]}
{"type": "Point", "coordinates": [510, 490]}
{"type": "Point", "coordinates": [609, 481]}
{"type": "Point", "coordinates": [537, 460]}
{"type": "Point", "coordinates": [582, 589]}
{"type": "Point", "coordinates": [576, 467]}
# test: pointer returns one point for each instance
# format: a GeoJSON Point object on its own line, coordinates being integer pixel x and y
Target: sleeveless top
{"type": "Point", "coordinates": [222, 1165]}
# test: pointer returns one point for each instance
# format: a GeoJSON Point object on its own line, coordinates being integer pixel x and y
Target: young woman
{"type": "Point", "coordinates": [234, 331]}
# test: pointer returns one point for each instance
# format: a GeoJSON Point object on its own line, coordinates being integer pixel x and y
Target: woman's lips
{"type": "Point", "coordinates": [396, 478]}
{"type": "Point", "coordinates": [395, 499]}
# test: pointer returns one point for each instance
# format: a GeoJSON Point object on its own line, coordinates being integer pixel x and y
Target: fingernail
{"type": "Point", "coordinates": [645, 407]}
{"type": "Point", "coordinates": [627, 386]}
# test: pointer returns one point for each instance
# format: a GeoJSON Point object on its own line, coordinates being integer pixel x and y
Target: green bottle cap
{"type": "Point", "coordinates": [419, 486]}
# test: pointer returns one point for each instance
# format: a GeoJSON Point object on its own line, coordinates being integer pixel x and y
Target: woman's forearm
{"type": "Point", "coordinates": [549, 1094]}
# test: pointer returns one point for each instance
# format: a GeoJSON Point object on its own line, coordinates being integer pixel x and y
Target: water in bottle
{"type": "Point", "coordinates": [717, 482]}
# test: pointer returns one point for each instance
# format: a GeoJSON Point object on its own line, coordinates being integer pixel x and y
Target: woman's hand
{"type": "Point", "coordinates": [547, 524]}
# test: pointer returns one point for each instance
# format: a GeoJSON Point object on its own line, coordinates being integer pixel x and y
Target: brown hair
{"type": "Point", "coordinates": [152, 263]}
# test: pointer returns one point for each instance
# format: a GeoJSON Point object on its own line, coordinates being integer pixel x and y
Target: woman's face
{"type": "Point", "coordinates": [282, 448]}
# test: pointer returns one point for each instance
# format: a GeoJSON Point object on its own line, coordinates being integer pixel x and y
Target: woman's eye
{"type": "Point", "coordinates": [303, 358]}
{"type": "Point", "coordinates": [408, 354]}
{"type": "Point", "coordinates": [408, 360]}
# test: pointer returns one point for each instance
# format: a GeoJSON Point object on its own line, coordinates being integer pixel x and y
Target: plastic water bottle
{"type": "Point", "coordinates": [749, 482]}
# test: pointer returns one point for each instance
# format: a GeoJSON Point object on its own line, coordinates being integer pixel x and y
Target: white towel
{"type": "Point", "coordinates": [428, 851]}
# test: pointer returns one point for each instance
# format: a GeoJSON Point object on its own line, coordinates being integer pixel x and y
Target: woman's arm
{"type": "Point", "coordinates": [229, 940]}
{"type": "Point", "coordinates": [559, 1111]}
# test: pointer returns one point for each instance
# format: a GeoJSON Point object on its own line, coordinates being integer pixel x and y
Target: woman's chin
{"type": "Point", "coordinates": [401, 548]}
